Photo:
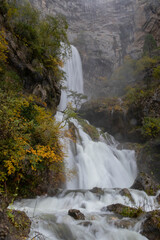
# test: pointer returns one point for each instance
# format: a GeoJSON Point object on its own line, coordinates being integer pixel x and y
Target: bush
{"type": "Point", "coordinates": [135, 95]}
{"type": "Point", "coordinates": [156, 73]}
{"type": "Point", "coordinates": [3, 51]}
{"type": "Point", "coordinates": [149, 44]}
{"type": "Point", "coordinates": [3, 7]}
{"type": "Point", "coordinates": [30, 150]}
{"type": "Point", "coordinates": [151, 127]}
{"type": "Point", "coordinates": [89, 129]}
{"type": "Point", "coordinates": [45, 38]}
{"type": "Point", "coordinates": [29, 144]}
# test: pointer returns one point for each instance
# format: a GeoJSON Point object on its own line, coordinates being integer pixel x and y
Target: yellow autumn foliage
{"type": "Point", "coordinates": [29, 143]}
{"type": "Point", "coordinates": [3, 50]}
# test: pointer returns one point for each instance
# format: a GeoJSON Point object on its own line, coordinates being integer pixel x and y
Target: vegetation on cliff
{"type": "Point", "coordinates": [141, 98]}
{"type": "Point", "coordinates": [45, 38]}
{"type": "Point", "coordinates": [31, 155]}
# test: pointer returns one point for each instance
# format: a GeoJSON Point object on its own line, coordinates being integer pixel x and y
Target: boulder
{"type": "Point", "coordinates": [85, 224]}
{"type": "Point", "coordinates": [151, 226]}
{"type": "Point", "coordinates": [158, 198]}
{"type": "Point", "coordinates": [125, 223]}
{"type": "Point", "coordinates": [125, 192]}
{"type": "Point", "coordinates": [98, 191]}
{"type": "Point", "coordinates": [76, 214]}
{"type": "Point", "coordinates": [123, 210]}
{"type": "Point", "coordinates": [145, 183]}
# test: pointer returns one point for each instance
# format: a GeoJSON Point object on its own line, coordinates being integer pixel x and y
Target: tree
{"type": "Point", "coordinates": [76, 98]}
{"type": "Point", "coordinates": [149, 44]}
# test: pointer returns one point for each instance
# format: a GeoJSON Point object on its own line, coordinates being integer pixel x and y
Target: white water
{"type": "Point", "coordinates": [74, 77]}
{"type": "Point", "coordinates": [97, 164]}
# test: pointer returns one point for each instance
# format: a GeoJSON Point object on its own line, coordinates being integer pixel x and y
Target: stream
{"type": "Point", "coordinates": [101, 171]}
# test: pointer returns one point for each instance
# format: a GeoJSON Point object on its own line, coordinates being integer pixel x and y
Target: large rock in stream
{"type": "Point", "coordinates": [123, 210]}
{"type": "Point", "coordinates": [76, 214]}
{"type": "Point", "coordinates": [145, 183]}
{"type": "Point", "coordinates": [126, 193]}
{"type": "Point", "coordinates": [151, 226]}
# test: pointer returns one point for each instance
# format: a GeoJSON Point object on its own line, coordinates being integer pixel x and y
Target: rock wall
{"type": "Point", "coordinates": [42, 84]}
{"type": "Point", "coordinates": [104, 31]}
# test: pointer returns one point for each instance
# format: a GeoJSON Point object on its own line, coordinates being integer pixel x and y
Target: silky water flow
{"type": "Point", "coordinates": [96, 164]}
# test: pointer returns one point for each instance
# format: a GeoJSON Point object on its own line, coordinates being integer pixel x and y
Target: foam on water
{"type": "Point", "coordinates": [97, 164]}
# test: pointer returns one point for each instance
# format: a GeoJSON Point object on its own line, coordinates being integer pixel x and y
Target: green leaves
{"type": "Point", "coordinates": [151, 127]}
{"type": "Point", "coordinates": [149, 44]}
{"type": "Point", "coordinates": [29, 142]}
{"type": "Point", "coordinates": [44, 37]}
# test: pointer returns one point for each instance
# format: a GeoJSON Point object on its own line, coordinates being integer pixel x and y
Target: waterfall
{"type": "Point", "coordinates": [74, 77]}
{"type": "Point", "coordinates": [97, 164]}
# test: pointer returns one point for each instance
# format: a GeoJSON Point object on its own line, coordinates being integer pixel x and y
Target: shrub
{"type": "Point", "coordinates": [89, 129]}
{"type": "Point", "coordinates": [156, 73]}
{"type": "Point", "coordinates": [151, 127]}
{"type": "Point", "coordinates": [149, 44]}
{"type": "Point", "coordinates": [45, 37]}
{"type": "Point", "coordinates": [29, 144]}
{"type": "Point", "coordinates": [3, 51]}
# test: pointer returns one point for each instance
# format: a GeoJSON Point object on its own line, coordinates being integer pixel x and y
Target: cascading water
{"type": "Point", "coordinates": [74, 77]}
{"type": "Point", "coordinates": [97, 164]}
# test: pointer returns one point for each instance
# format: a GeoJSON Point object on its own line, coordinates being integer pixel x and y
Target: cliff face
{"type": "Point", "coordinates": [104, 31]}
{"type": "Point", "coordinates": [40, 84]}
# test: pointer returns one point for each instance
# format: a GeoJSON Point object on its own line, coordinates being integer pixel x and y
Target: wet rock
{"type": "Point", "coordinates": [85, 224]}
{"type": "Point", "coordinates": [125, 223]}
{"type": "Point", "coordinates": [145, 182]}
{"type": "Point", "coordinates": [74, 192]}
{"type": "Point", "coordinates": [83, 205]}
{"type": "Point", "coordinates": [98, 191]}
{"type": "Point", "coordinates": [125, 192]}
{"type": "Point", "coordinates": [123, 210]}
{"type": "Point", "coordinates": [158, 198]}
{"type": "Point", "coordinates": [150, 155]}
{"type": "Point", "coordinates": [151, 226]}
{"type": "Point", "coordinates": [51, 192]}
{"type": "Point", "coordinates": [76, 214]}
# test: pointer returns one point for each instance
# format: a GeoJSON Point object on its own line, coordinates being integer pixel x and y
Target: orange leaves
{"type": "Point", "coordinates": [42, 153]}
{"type": "Point", "coordinates": [30, 143]}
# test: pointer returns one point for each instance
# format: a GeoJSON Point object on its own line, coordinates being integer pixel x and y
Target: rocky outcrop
{"type": "Point", "coordinates": [76, 214]}
{"type": "Point", "coordinates": [126, 193]}
{"type": "Point", "coordinates": [41, 83]}
{"type": "Point", "coordinates": [14, 225]}
{"type": "Point", "coordinates": [97, 191]}
{"type": "Point", "coordinates": [112, 117]}
{"type": "Point", "coordinates": [124, 210]}
{"type": "Point", "coordinates": [151, 226]}
{"type": "Point", "coordinates": [104, 32]}
{"type": "Point", "coordinates": [148, 156]}
{"type": "Point", "coordinates": [125, 223]}
{"type": "Point", "coordinates": [145, 183]}
{"type": "Point", "coordinates": [121, 119]}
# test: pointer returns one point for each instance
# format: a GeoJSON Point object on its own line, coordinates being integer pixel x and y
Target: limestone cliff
{"type": "Point", "coordinates": [104, 31]}
{"type": "Point", "coordinates": [41, 84]}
